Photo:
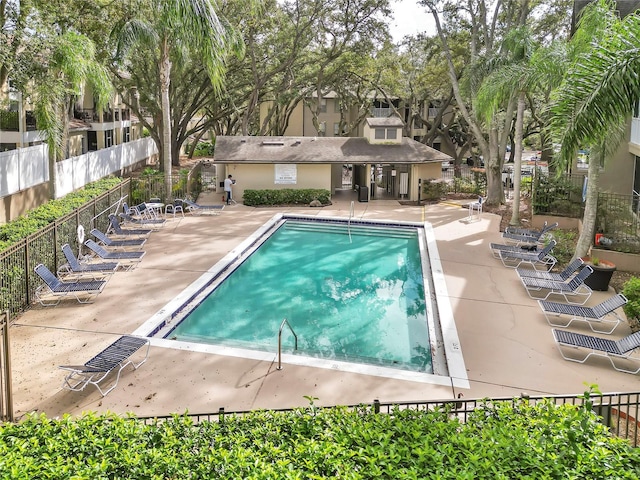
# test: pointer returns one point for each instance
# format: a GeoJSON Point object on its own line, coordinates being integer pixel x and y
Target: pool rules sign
{"type": "Point", "coordinates": [286, 174]}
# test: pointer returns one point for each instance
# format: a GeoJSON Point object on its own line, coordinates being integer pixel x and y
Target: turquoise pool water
{"type": "Point", "coordinates": [354, 294]}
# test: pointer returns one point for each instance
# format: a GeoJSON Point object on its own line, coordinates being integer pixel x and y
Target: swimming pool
{"type": "Point", "coordinates": [350, 310]}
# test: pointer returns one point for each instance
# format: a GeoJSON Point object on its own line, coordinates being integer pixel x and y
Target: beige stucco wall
{"type": "Point", "coordinates": [12, 206]}
{"type": "Point", "coordinates": [262, 177]}
{"type": "Point", "coordinates": [425, 171]}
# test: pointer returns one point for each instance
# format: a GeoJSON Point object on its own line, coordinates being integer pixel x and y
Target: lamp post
{"type": "Point", "coordinates": [419, 189]}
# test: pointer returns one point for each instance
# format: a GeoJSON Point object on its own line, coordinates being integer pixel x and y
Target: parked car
{"type": "Point", "coordinates": [446, 165]}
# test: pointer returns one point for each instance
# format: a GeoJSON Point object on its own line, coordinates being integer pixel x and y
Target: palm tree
{"type": "Point", "coordinates": [175, 29]}
{"type": "Point", "coordinates": [68, 66]}
{"type": "Point", "coordinates": [598, 95]}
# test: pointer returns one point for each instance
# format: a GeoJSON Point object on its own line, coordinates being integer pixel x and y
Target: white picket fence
{"type": "Point", "coordinates": [26, 167]}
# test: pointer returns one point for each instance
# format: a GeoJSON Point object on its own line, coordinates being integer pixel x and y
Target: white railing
{"type": "Point", "coordinates": [75, 172]}
{"type": "Point", "coordinates": [23, 168]}
{"type": "Point", "coordinates": [635, 131]}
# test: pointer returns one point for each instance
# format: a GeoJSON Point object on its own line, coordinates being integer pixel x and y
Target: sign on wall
{"type": "Point", "coordinates": [286, 174]}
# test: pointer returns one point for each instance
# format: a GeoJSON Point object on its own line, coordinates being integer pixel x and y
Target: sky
{"type": "Point", "coordinates": [410, 18]}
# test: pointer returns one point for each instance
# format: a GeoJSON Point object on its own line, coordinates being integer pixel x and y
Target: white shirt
{"type": "Point", "coordinates": [227, 184]}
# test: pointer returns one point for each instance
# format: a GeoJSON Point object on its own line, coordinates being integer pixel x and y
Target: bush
{"type": "Point", "coordinates": [631, 290]}
{"type": "Point", "coordinates": [287, 196]}
{"type": "Point", "coordinates": [513, 439]}
{"type": "Point", "coordinates": [433, 190]}
{"type": "Point", "coordinates": [34, 220]}
{"type": "Point", "coordinates": [204, 149]}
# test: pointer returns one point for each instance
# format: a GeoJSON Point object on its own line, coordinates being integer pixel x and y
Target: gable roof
{"type": "Point", "coordinates": [319, 150]}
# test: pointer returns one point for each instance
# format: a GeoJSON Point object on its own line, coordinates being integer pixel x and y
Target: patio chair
{"type": "Point", "coordinates": [55, 289]}
{"type": "Point", "coordinates": [196, 208]}
{"type": "Point", "coordinates": [116, 229]}
{"type": "Point", "coordinates": [126, 260]}
{"type": "Point", "coordinates": [154, 223]}
{"type": "Point", "coordinates": [575, 289]}
{"type": "Point", "coordinates": [540, 258]}
{"type": "Point", "coordinates": [104, 240]}
{"type": "Point", "coordinates": [73, 267]}
{"type": "Point", "coordinates": [497, 248]}
{"type": "Point", "coordinates": [562, 276]}
{"type": "Point", "coordinates": [175, 207]}
{"type": "Point", "coordinates": [115, 357]}
{"type": "Point", "coordinates": [475, 209]}
{"type": "Point", "coordinates": [602, 314]}
{"type": "Point", "coordinates": [532, 232]}
{"type": "Point", "coordinates": [514, 237]}
{"type": "Point", "coordinates": [617, 351]}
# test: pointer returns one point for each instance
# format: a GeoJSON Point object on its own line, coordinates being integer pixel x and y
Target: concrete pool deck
{"type": "Point", "coordinates": [506, 342]}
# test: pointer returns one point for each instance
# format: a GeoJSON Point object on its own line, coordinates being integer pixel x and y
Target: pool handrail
{"type": "Point", "coordinates": [284, 322]}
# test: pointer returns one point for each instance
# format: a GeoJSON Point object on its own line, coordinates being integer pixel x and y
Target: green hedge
{"type": "Point", "coordinates": [16, 230]}
{"type": "Point", "coordinates": [286, 196]}
{"type": "Point", "coordinates": [502, 440]}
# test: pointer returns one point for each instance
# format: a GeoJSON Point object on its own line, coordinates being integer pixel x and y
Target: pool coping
{"type": "Point", "coordinates": [454, 372]}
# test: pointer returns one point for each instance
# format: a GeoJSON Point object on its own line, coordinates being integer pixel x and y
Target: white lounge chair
{"type": "Point", "coordinates": [196, 208]}
{"type": "Point", "coordinates": [574, 291]}
{"type": "Point", "coordinates": [539, 258]}
{"type": "Point", "coordinates": [126, 260]}
{"type": "Point", "coordinates": [623, 351]}
{"type": "Point", "coordinates": [115, 229]}
{"type": "Point", "coordinates": [562, 315]}
{"type": "Point", "coordinates": [105, 240]}
{"type": "Point", "coordinates": [55, 289]}
{"type": "Point", "coordinates": [523, 237]}
{"type": "Point", "coordinates": [73, 267]}
{"type": "Point", "coordinates": [568, 272]}
{"type": "Point", "coordinates": [115, 356]}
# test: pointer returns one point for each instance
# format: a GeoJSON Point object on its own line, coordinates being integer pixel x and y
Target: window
{"type": "Point", "coordinates": [392, 133]}
{"type": "Point", "coordinates": [336, 129]}
{"type": "Point", "coordinates": [126, 133]}
{"type": "Point", "coordinates": [92, 140]}
{"type": "Point", "coordinates": [323, 105]}
{"type": "Point", "coordinates": [108, 138]}
{"type": "Point", "coordinates": [336, 105]}
{"type": "Point", "coordinates": [380, 133]}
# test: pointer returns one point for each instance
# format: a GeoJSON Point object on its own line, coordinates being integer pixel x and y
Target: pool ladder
{"type": "Point", "coordinates": [349, 222]}
{"type": "Point", "coordinates": [284, 322]}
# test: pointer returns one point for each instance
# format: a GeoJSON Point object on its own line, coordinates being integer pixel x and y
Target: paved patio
{"type": "Point", "coordinates": [506, 342]}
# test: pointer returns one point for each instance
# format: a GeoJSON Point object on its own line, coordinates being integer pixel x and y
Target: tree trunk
{"type": "Point", "coordinates": [590, 209]}
{"type": "Point", "coordinates": [517, 161]}
{"type": "Point", "coordinates": [165, 74]}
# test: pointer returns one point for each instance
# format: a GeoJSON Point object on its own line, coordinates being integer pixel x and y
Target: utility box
{"type": "Point", "coordinates": [363, 194]}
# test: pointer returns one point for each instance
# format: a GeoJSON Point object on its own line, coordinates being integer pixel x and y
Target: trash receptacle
{"type": "Point", "coordinates": [363, 195]}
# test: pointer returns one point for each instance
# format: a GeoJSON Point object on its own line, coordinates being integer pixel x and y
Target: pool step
{"type": "Point", "coordinates": [355, 229]}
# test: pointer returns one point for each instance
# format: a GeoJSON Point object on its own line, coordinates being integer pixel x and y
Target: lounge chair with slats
{"type": "Point", "coordinates": [55, 289]}
{"type": "Point", "coordinates": [116, 229]}
{"type": "Point", "coordinates": [115, 357]}
{"type": "Point", "coordinates": [568, 272]}
{"type": "Point", "coordinates": [575, 291]}
{"type": "Point", "coordinates": [498, 248]}
{"type": "Point", "coordinates": [532, 232]}
{"type": "Point", "coordinates": [604, 314]}
{"type": "Point", "coordinates": [196, 208]}
{"type": "Point", "coordinates": [75, 269]}
{"type": "Point", "coordinates": [539, 259]}
{"type": "Point", "coordinates": [528, 238]}
{"type": "Point", "coordinates": [618, 352]}
{"type": "Point", "coordinates": [105, 240]}
{"type": "Point", "coordinates": [153, 223]}
{"type": "Point", "coordinates": [126, 260]}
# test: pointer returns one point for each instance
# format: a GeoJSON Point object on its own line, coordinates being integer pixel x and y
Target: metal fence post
{"type": "Point", "coordinates": [6, 394]}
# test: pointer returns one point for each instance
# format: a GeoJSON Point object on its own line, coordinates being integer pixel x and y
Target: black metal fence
{"type": "Point", "coordinates": [18, 282]}
{"type": "Point", "coordinates": [618, 219]}
{"type": "Point", "coordinates": [618, 411]}
{"type": "Point", "coordinates": [561, 196]}
{"type": "Point", "coordinates": [464, 179]}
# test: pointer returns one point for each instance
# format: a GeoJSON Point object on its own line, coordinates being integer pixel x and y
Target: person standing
{"type": "Point", "coordinates": [227, 188]}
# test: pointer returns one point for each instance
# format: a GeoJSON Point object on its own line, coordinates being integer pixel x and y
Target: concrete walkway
{"type": "Point", "coordinates": [506, 342]}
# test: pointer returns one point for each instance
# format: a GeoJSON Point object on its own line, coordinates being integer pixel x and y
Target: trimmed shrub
{"type": "Point", "coordinates": [286, 196]}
